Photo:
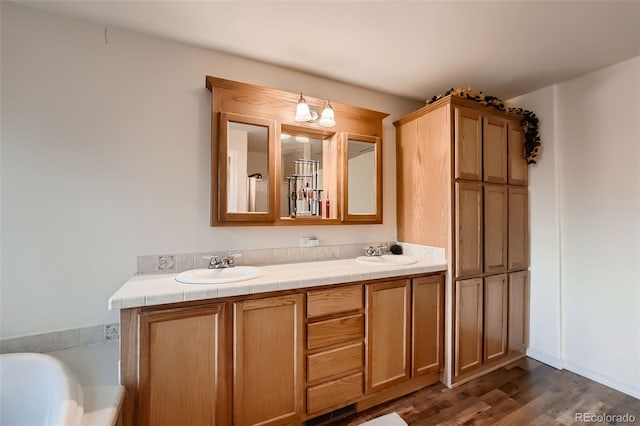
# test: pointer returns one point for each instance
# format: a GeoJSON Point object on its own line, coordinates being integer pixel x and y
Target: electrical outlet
{"type": "Point", "coordinates": [112, 332]}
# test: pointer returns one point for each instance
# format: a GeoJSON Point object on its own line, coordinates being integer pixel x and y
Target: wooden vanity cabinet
{"type": "Point", "coordinates": [495, 228]}
{"type": "Point", "coordinates": [518, 228]}
{"type": "Point", "coordinates": [283, 357]}
{"type": "Point", "coordinates": [335, 347]}
{"type": "Point", "coordinates": [469, 229]}
{"type": "Point", "coordinates": [427, 325]}
{"type": "Point", "coordinates": [494, 148]}
{"type": "Point", "coordinates": [518, 169]}
{"type": "Point", "coordinates": [495, 317]}
{"type": "Point", "coordinates": [468, 325]}
{"type": "Point", "coordinates": [481, 321]}
{"type": "Point", "coordinates": [183, 367]}
{"type": "Point", "coordinates": [388, 334]}
{"type": "Point", "coordinates": [518, 311]}
{"type": "Point", "coordinates": [405, 333]}
{"type": "Point", "coordinates": [268, 360]}
{"type": "Point", "coordinates": [461, 185]}
{"type": "Point", "coordinates": [468, 144]}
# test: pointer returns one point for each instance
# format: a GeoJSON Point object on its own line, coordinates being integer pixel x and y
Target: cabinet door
{"type": "Point", "coordinates": [518, 310]}
{"type": "Point", "coordinates": [387, 334]}
{"type": "Point", "coordinates": [468, 325]}
{"type": "Point", "coordinates": [495, 150]}
{"type": "Point", "coordinates": [495, 228]}
{"type": "Point", "coordinates": [468, 229]}
{"type": "Point", "coordinates": [268, 361]}
{"type": "Point", "coordinates": [495, 317]}
{"type": "Point", "coordinates": [518, 228]}
{"type": "Point", "coordinates": [468, 144]}
{"type": "Point", "coordinates": [517, 167]}
{"type": "Point", "coordinates": [427, 334]}
{"type": "Point", "coordinates": [182, 367]}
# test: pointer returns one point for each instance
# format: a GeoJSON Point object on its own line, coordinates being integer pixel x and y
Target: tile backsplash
{"type": "Point", "coordinates": [172, 263]}
{"type": "Point", "coordinates": [62, 339]}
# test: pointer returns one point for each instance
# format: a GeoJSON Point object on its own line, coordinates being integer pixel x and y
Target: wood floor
{"type": "Point", "coordinates": [525, 392]}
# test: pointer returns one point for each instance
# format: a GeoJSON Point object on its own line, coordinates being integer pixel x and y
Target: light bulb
{"type": "Point", "coordinates": [303, 113]}
{"type": "Point", "coordinates": [327, 119]}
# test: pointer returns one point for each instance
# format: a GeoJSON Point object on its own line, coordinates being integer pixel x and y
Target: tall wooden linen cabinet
{"type": "Point", "coordinates": [462, 185]}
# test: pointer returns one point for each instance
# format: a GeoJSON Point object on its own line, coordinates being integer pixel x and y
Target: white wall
{"type": "Point", "coordinates": [545, 313]}
{"type": "Point", "coordinates": [599, 139]}
{"type": "Point", "coordinates": [587, 185]}
{"type": "Point", "coordinates": [105, 156]}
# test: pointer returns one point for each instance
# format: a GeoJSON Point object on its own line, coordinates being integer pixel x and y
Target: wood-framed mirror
{"type": "Point", "coordinates": [246, 173]}
{"type": "Point", "coordinates": [253, 166]}
{"type": "Point", "coordinates": [361, 178]}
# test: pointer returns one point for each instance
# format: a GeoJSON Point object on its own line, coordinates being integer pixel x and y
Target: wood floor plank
{"type": "Point", "coordinates": [525, 392]}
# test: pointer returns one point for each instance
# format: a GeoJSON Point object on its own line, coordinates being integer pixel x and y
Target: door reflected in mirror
{"type": "Point", "coordinates": [247, 168]}
{"type": "Point", "coordinates": [361, 189]}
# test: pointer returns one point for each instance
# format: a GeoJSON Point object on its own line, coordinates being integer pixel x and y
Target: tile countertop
{"type": "Point", "coordinates": [156, 289]}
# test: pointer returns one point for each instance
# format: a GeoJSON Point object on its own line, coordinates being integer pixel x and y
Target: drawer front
{"type": "Point", "coordinates": [334, 300]}
{"type": "Point", "coordinates": [335, 331]}
{"type": "Point", "coordinates": [335, 362]}
{"type": "Point", "coordinates": [334, 393]}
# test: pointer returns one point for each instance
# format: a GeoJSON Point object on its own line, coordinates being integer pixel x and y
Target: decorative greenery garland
{"type": "Point", "coordinates": [529, 122]}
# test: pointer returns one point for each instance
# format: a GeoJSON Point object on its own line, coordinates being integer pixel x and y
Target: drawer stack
{"type": "Point", "coordinates": [335, 347]}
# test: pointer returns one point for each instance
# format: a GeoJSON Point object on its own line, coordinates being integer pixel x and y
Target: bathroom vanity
{"type": "Point", "coordinates": [279, 349]}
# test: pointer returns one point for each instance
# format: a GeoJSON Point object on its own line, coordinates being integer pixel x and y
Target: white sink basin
{"type": "Point", "coordinates": [219, 276]}
{"type": "Point", "coordinates": [386, 260]}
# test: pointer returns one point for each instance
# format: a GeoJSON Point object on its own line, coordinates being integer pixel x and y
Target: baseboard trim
{"type": "Point", "coordinates": [545, 358]}
{"type": "Point", "coordinates": [605, 379]}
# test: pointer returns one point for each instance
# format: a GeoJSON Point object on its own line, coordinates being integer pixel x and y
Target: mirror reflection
{"type": "Point", "coordinates": [302, 172]}
{"type": "Point", "coordinates": [361, 177]}
{"type": "Point", "coordinates": [247, 168]}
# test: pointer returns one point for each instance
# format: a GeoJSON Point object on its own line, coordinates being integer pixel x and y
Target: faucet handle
{"type": "Point", "coordinates": [231, 258]}
{"type": "Point", "coordinates": [369, 251]}
{"type": "Point", "coordinates": [213, 260]}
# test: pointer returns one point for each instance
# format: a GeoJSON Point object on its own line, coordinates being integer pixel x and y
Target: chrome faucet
{"type": "Point", "coordinates": [375, 251]}
{"type": "Point", "coordinates": [219, 262]}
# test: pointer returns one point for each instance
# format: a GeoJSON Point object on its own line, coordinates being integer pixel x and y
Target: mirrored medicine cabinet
{"type": "Point", "coordinates": [267, 169]}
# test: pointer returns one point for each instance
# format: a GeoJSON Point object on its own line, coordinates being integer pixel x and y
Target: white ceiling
{"type": "Point", "coordinates": [415, 49]}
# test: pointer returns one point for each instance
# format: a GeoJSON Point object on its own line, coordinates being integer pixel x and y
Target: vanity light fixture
{"type": "Point", "coordinates": [327, 118]}
{"type": "Point", "coordinates": [304, 113]}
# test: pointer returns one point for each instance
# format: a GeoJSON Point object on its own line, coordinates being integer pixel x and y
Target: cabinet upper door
{"type": "Point", "coordinates": [518, 228]}
{"type": "Point", "coordinates": [268, 361]}
{"type": "Point", "coordinates": [387, 325]}
{"type": "Point", "coordinates": [495, 317]}
{"type": "Point", "coordinates": [427, 313]}
{"type": "Point", "coordinates": [468, 229]}
{"type": "Point", "coordinates": [468, 325]}
{"type": "Point", "coordinates": [182, 367]}
{"type": "Point", "coordinates": [518, 310]}
{"type": "Point", "coordinates": [518, 168]}
{"type": "Point", "coordinates": [495, 150]}
{"type": "Point", "coordinates": [495, 228]}
{"type": "Point", "coordinates": [468, 144]}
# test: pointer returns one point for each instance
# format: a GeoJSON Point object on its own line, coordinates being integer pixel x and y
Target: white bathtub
{"type": "Point", "coordinates": [38, 389]}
